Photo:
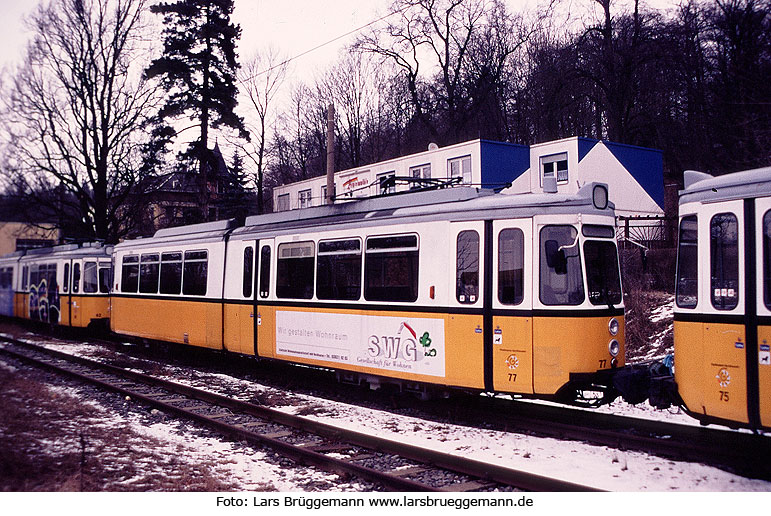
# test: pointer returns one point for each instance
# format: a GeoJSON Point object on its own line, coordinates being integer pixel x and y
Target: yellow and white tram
{"type": "Point", "coordinates": [450, 288]}
{"type": "Point", "coordinates": [723, 298]}
{"type": "Point", "coordinates": [66, 285]}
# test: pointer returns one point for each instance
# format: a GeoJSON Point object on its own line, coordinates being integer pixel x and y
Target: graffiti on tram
{"type": "Point", "coordinates": [44, 294]}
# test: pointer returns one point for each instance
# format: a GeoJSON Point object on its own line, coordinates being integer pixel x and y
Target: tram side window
{"type": "Point", "coordinates": [90, 278]}
{"type": "Point", "coordinates": [294, 275]}
{"type": "Point", "coordinates": [5, 277]}
{"type": "Point", "coordinates": [149, 268]}
{"type": "Point", "coordinates": [76, 278]}
{"type": "Point", "coordinates": [767, 259]}
{"type": "Point", "coordinates": [24, 277]}
{"type": "Point", "coordinates": [724, 261]}
{"type": "Point", "coordinates": [105, 278]}
{"type": "Point", "coordinates": [467, 267]}
{"type": "Point", "coordinates": [66, 286]}
{"type": "Point", "coordinates": [391, 268]}
{"type": "Point", "coordinates": [561, 279]}
{"type": "Point", "coordinates": [338, 271]}
{"type": "Point", "coordinates": [265, 271]}
{"type": "Point", "coordinates": [194, 274]}
{"type": "Point", "coordinates": [248, 271]}
{"type": "Point", "coordinates": [34, 274]}
{"type": "Point", "coordinates": [511, 266]}
{"type": "Point", "coordinates": [129, 281]}
{"type": "Point", "coordinates": [171, 273]}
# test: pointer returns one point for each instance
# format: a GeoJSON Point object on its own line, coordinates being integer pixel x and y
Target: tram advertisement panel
{"type": "Point", "coordinates": [405, 344]}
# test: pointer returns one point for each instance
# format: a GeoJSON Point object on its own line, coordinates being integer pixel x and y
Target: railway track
{"type": "Point", "coordinates": [389, 464]}
{"type": "Point", "coordinates": [742, 453]}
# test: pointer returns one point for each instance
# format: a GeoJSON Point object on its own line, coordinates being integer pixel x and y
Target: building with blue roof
{"type": "Point", "coordinates": [634, 174]}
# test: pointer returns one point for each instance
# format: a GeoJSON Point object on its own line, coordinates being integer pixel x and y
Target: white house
{"type": "Point", "coordinates": [634, 174]}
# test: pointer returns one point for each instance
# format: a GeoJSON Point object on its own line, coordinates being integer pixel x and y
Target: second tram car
{"type": "Point", "coordinates": [66, 285]}
{"type": "Point", "coordinates": [723, 298]}
{"type": "Point", "coordinates": [450, 288]}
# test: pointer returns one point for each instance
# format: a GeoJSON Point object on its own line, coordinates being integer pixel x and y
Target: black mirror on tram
{"type": "Point", "coordinates": [555, 257]}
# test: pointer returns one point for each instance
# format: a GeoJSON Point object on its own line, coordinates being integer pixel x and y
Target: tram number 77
{"type": "Point", "coordinates": [512, 377]}
{"type": "Point", "coordinates": [603, 363]}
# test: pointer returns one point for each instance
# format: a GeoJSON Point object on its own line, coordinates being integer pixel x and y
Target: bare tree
{"type": "Point", "coordinates": [74, 113]}
{"type": "Point", "coordinates": [437, 44]}
{"type": "Point", "coordinates": [261, 77]}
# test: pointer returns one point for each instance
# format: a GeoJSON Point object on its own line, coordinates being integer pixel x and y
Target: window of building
{"type": "Point", "coordinates": [129, 281]}
{"type": "Point", "coordinates": [511, 266]}
{"type": "Point", "coordinates": [305, 198]}
{"type": "Point", "coordinates": [248, 276]}
{"type": "Point", "coordinates": [265, 271]}
{"type": "Point", "coordinates": [149, 268]}
{"type": "Point", "coordinates": [324, 199]}
{"type": "Point", "coordinates": [338, 270]}
{"type": "Point", "coordinates": [555, 165]}
{"type": "Point", "coordinates": [467, 267]}
{"type": "Point", "coordinates": [391, 268]}
{"type": "Point", "coordinates": [171, 273]}
{"type": "Point", "coordinates": [282, 203]}
{"type": "Point", "coordinates": [561, 278]}
{"type": "Point", "coordinates": [91, 278]}
{"type": "Point", "coordinates": [23, 244]}
{"type": "Point", "coordinates": [724, 261]}
{"type": "Point", "coordinates": [194, 273]}
{"type": "Point", "coordinates": [386, 183]}
{"type": "Point", "coordinates": [294, 277]}
{"type": "Point", "coordinates": [460, 167]}
{"type": "Point", "coordinates": [420, 172]}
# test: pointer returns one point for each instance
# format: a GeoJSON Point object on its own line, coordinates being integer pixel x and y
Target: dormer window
{"type": "Point", "coordinates": [555, 164]}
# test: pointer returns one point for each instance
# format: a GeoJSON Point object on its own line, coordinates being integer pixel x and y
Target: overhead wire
{"type": "Point", "coordinates": [306, 52]}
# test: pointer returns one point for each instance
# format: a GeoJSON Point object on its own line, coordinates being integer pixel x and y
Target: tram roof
{"type": "Point", "coordinates": [86, 249]}
{"type": "Point", "coordinates": [702, 187]}
{"type": "Point", "coordinates": [465, 202]}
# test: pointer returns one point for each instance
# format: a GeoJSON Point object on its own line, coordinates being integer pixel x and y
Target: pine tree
{"type": "Point", "coordinates": [197, 70]}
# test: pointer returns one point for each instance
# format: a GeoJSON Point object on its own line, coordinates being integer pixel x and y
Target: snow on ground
{"type": "Point", "coordinates": [598, 466]}
{"type": "Point", "coordinates": [245, 467]}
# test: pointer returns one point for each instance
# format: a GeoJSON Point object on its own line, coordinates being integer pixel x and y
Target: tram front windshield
{"type": "Point", "coordinates": [561, 276]}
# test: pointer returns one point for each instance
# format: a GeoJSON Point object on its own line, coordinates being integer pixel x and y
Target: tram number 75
{"type": "Point", "coordinates": [723, 395]}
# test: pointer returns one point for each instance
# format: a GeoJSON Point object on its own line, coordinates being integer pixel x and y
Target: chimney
{"type": "Point", "coordinates": [330, 154]}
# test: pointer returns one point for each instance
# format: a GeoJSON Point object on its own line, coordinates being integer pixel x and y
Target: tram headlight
{"type": "Point", "coordinates": [614, 347]}
{"type": "Point", "coordinates": [600, 196]}
{"type": "Point", "coordinates": [613, 326]}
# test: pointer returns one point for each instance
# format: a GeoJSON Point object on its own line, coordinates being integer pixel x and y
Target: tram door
{"type": "Point", "coordinates": [763, 267]}
{"type": "Point", "coordinates": [239, 312]}
{"type": "Point", "coordinates": [726, 340]}
{"type": "Point", "coordinates": [512, 324]}
{"type": "Point", "coordinates": [75, 298]}
{"type": "Point", "coordinates": [65, 298]}
{"type": "Point", "coordinates": [264, 316]}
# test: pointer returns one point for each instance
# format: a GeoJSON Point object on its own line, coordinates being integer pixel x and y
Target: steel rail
{"type": "Point", "coordinates": [485, 471]}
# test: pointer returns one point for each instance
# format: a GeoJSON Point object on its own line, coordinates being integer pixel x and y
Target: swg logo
{"type": "Point", "coordinates": [402, 345]}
